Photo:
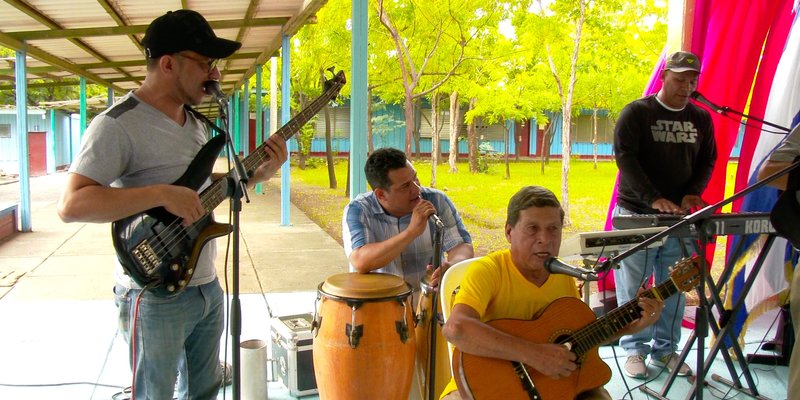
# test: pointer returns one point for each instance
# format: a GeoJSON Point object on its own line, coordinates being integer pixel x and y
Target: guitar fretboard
{"type": "Point", "coordinates": [219, 191]}
{"type": "Point", "coordinates": [597, 332]}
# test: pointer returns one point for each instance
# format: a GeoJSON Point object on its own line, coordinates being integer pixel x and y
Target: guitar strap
{"type": "Point", "coordinates": [786, 211]}
{"type": "Point", "coordinates": [205, 119]}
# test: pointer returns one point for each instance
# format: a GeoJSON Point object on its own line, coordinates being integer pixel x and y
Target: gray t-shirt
{"type": "Point", "coordinates": [132, 144]}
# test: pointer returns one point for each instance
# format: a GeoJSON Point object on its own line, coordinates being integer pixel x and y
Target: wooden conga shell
{"type": "Point", "coordinates": [425, 311]}
{"type": "Point", "coordinates": [374, 360]}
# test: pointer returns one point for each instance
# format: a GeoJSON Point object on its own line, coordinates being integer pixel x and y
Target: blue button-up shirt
{"type": "Point", "coordinates": [365, 221]}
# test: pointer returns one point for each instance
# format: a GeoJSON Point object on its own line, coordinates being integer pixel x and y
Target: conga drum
{"type": "Point", "coordinates": [363, 347]}
{"type": "Point", "coordinates": [429, 309]}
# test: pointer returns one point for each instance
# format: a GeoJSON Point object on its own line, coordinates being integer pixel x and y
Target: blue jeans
{"type": "Point", "coordinates": [661, 338]}
{"type": "Point", "coordinates": [177, 339]}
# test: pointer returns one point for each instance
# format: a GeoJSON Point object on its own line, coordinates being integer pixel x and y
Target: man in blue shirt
{"type": "Point", "coordinates": [390, 229]}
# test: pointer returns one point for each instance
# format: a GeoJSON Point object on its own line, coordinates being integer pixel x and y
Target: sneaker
{"type": "Point", "coordinates": [671, 361]}
{"type": "Point", "coordinates": [635, 367]}
{"type": "Point", "coordinates": [227, 373]}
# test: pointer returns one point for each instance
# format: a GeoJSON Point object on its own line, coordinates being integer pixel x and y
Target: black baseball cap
{"type": "Point", "coordinates": [682, 61]}
{"type": "Point", "coordinates": [181, 30]}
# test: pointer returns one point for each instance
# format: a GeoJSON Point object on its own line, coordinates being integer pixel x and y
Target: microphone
{"type": "Point", "coordinates": [433, 217]}
{"type": "Point", "coordinates": [212, 89]}
{"type": "Point", "coordinates": [556, 266]}
{"type": "Point", "coordinates": [702, 99]}
{"type": "Point", "coordinates": [436, 221]}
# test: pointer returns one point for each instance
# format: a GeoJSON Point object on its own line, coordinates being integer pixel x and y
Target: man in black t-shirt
{"type": "Point", "coordinates": [665, 151]}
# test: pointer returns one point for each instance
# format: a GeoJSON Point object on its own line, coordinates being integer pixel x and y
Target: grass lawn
{"type": "Point", "coordinates": [480, 198]}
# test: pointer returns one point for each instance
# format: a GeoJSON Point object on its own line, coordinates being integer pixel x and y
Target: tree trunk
{"type": "Point", "coordinates": [508, 149]}
{"type": "Point", "coordinates": [518, 147]}
{"type": "Point", "coordinates": [434, 136]}
{"type": "Point", "coordinates": [410, 123]}
{"type": "Point", "coordinates": [329, 150]}
{"type": "Point", "coordinates": [472, 141]}
{"type": "Point", "coordinates": [455, 118]}
{"type": "Point", "coordinates": [328, 141]}
{"type": "Point", "coordinates": [566, 138]}
{"type": "Point", "coordinates": [546, 142]}
{"type": "Point", "coordinates": [302, 146]}
{"type": "Point", "coordinates": [417, 127]}
{"type": "Point", "coordinates": [566, 154]}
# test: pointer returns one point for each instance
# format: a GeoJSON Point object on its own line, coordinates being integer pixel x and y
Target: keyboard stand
{"type": "Point", "coordinates": [722, 331]}
{"type": "Point", "coordinates": [704, 311]}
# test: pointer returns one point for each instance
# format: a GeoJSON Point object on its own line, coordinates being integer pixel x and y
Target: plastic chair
{"type": "Point", "coordinates": [450, 281]}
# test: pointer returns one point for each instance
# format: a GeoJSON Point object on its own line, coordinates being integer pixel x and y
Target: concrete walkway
{"type": "Point", "coordinates": [56, 305]}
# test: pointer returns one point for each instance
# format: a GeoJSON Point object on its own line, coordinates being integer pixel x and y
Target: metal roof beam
{"type": "Point", "coordinates": [135, 29]}
{"type": "Point", "coordinates": [48, 58]}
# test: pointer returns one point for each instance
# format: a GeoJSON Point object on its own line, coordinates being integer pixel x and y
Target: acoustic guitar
{"type": "Point", "coordinates": [156, 250]}
{"type": "Point", "coordinates": [566, 321]}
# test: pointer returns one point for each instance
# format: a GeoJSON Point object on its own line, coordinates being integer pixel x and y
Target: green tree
{"type": "Point", "coordinates": [426, 34]}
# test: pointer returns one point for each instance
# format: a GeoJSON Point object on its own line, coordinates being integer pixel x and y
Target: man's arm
{"type": "Point", "coordinates": [372, 256]}
{"type": "Point", "coordinates": [461, 252]}
{"type": "Point", "coordinates": [771, 167]}
{"type": "Point", "coordinates": [85, 200]}
{"type": "Point", "coordinates": [465, 330]}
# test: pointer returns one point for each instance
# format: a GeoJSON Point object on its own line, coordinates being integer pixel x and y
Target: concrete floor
{"type": "Point", "coordinates": [58, 335]}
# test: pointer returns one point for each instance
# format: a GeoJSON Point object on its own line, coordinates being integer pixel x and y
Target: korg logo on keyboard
{"type": "Point", "coordinates": [758, 226]}
{"type": "Point", "coordinates": [740, 224]}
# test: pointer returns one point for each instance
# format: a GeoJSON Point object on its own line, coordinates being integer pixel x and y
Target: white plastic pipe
{"type": "Point", "coordinates": [254, 369]}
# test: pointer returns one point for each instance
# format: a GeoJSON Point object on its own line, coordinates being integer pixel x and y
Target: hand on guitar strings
{"type": "Point", "coordinates": [182, 202]}
{"type": "Point", "coordinates": [277, 154]}
{"type": "Point", "coordinates": [651, 312]}
{"type": "Point", "coordinates": [553, 360]}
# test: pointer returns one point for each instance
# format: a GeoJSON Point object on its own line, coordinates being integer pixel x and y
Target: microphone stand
{"type": "Point", "coordinates": [237, 187]}
{"type": "Point", "coordinates": [434, 322]}
{"type": "Point", "coordinates": [697, 218]}
{"type": "Point", "coordinates": [725, 109]}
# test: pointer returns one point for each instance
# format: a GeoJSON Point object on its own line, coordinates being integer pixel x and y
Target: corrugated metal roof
{"type": "Point", "coordinates": [101, 39]}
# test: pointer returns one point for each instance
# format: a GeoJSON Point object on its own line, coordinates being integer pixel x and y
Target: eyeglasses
{"type": "Point", "coordinates": [208, 64]}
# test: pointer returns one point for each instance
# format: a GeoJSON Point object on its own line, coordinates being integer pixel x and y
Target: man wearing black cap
{"type": "Point", "coordinates": [131, 154]}
{"type": "Point", "coordinates": [665, 151]}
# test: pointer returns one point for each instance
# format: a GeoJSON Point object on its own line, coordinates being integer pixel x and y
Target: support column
{"type": "Point", "coordinates": [244, 118]}
{"type": "Point", "coordinates": [259, 117]}
{"type": "Point", "coordinates": [358, 100]}
{"type": "Point", "coordinates": [286, 101]}
{"type": "Point", "coordinates": [52, 148]}
{"type": "Point", "coordinates": [20, 74]}
{"type": "Point", "coordinates": [83, 107]}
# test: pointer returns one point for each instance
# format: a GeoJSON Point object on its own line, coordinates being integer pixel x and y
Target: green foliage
{"type": "Point", "coordinates": [305, 136]}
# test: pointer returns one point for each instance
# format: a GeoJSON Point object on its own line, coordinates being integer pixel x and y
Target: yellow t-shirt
{"type": "Point", "coordinates": [495, 288]}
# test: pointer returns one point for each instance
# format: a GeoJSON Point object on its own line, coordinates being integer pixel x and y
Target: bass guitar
{"type": "Point", "coordinates": [567, 321]}
{"type": "Point", "coordinates": [154, 248]}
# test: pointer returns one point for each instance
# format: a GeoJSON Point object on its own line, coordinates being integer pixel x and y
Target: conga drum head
{"type": "Point", "coordinates": [372, 286]}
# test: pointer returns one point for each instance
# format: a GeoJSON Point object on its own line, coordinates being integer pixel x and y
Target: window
{"type": "Point", "coordinates": [5, 130]}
